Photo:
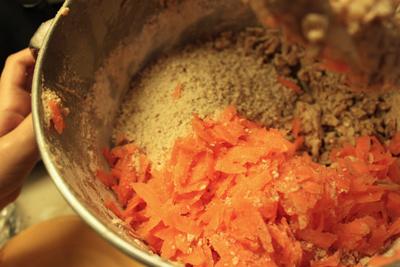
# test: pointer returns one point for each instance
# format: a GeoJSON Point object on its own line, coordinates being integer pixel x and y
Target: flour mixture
{"type": "Point", "coordinates": [266, 79]}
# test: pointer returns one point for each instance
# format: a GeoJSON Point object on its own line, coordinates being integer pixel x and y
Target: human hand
{"type": "Point", "coordinates": [18, 149]}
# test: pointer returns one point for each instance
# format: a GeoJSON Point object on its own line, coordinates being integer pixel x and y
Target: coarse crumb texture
{"type": "Point", "coordinates": [331, 113]}
{"type": "Point", "coordinates": [210, 78]}
{"type": "Point", "coordinates": [362, 34]}
{"type": "Point", "coordinates": [243, 70]}
{"type": "Point", "coordinates": [49, 96]}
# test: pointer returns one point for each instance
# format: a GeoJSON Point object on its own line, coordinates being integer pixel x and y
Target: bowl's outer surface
{"type": "Point", "coordinates": [88, 58]}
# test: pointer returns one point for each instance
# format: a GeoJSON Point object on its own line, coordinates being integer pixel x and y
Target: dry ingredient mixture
{"type": "Point", "coordinates": [253, 71]}
{"type": "Point", "coordinates": [205, 185]}
{"type": "Point", "coordinates": [361, 34]}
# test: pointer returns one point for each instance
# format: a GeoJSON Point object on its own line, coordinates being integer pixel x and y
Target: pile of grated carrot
{"type": "Point", "coordinates": [233, 193]}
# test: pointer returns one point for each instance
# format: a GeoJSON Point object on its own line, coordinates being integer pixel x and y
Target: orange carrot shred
{"type": "Point", "coordinates": [289, 84]}
{"type": "Point", "coordinates": [334, 65]}
{"type": "Point", "coordinates": [109, 157]}
{"type": "Point", "coordinates": [57, 116]}
{"type": "Point", "coordinates": [270, 22]}
{"type": "Point", "coordinates": [394, 145]}
{"type": "Point", "coordinates": [234, 193]}
{"type": "Point", "coordinates": [296, 127]}
{"type": "Point", "coordinates": [177, 93]}
{"type": "Point", "coordinates": [106, 178]}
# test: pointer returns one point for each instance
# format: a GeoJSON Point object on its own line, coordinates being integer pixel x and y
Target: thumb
{"type": "Point", "coordinates": [19, 154]}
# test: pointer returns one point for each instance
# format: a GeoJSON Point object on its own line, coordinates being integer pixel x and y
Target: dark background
{"type": "Point", "coordinates": [19, 19]}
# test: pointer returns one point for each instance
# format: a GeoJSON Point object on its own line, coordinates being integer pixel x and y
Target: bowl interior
{"type": "Point", "coordinates": [88, 60]}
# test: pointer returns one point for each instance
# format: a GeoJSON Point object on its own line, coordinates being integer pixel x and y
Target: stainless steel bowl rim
{"type": "Point", "coordinates": [79, 208]}
{"type": "Point", "coordinates": [109, 235]}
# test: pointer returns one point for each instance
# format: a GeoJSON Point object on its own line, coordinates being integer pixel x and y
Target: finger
{"type": "Point", "coordinates": [16, 101]}
{"type": "Point", "coordinates": [11, 197]}
{"type": "Point", "coordinates": [17, 67]}
{"type": "Point", "coordinates": [19, 154]}
{"type": "Point", "coordinates": [9, 121]}
{"type": "Point", "coordinates": [14, 83]}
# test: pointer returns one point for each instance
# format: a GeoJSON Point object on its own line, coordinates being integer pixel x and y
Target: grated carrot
{"type": "Point", "coordinates": [289, 84]}
{"type": "Point", "coordinates": [270, 22]}
{"type": "Point", "coordinates": [235, 194]}
{"type": "Point", "coordinates": [394, 145]}
{"type": "Point", "coordinates": [57, 116]}
{"type": "Point", "coordinates": [177, 93]}
{"type": "Point", "coordinates": [335, 66]}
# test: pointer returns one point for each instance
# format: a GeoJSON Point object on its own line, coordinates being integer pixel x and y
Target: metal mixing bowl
{"type": "Point", "coordinates": [88, 58]}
